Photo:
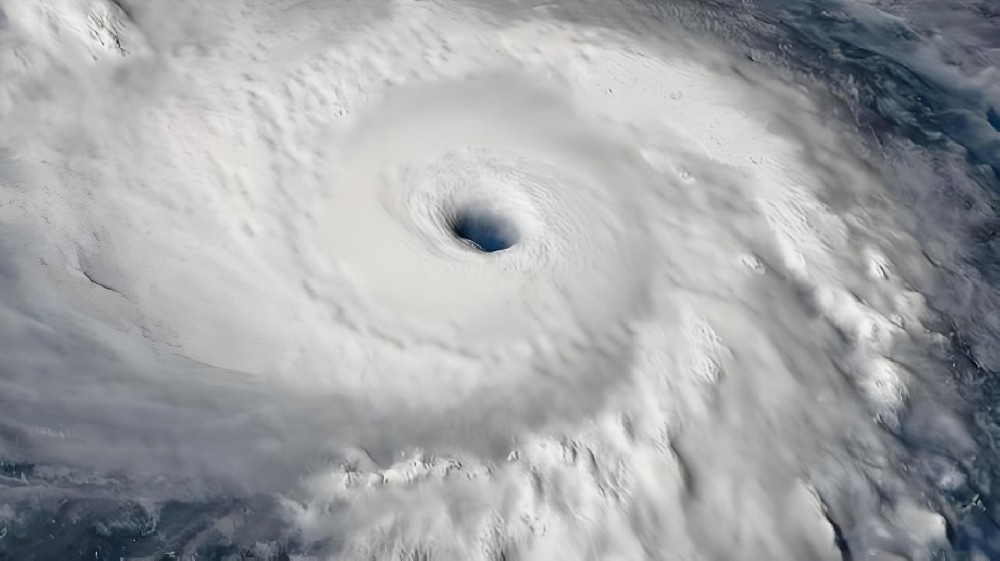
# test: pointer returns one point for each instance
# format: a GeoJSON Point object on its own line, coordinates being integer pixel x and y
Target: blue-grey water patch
{"type": "Point", "coordinates": [873, 63]}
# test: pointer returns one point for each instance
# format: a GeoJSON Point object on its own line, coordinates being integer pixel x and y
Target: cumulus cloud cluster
{"type": "Point", "coordinates": [230, 267]}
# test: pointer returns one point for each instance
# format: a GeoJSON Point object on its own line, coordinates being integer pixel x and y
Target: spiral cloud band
{"type": "Point", "coordinates": [454, 280]}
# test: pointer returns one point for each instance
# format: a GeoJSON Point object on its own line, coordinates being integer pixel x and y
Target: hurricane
{"type": "Point", "coordinates": [498, 280]}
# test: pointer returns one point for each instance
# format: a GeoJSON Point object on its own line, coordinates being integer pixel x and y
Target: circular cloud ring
{"type": "Point", "coordinates": [574, 281]}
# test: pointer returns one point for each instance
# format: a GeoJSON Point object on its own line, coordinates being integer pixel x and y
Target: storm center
{"type": "Point", "coordinates": [485, 230]}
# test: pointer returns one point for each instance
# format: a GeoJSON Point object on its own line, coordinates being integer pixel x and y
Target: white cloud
{"type": "Point", "coordinates": [227, 268]}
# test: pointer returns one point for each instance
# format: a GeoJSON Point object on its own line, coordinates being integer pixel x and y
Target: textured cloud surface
{"type": "Point", "coordinates": [231, 272]}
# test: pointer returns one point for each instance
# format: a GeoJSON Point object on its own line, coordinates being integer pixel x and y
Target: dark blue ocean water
{"type": "Point", "coordinates": [920, 72]}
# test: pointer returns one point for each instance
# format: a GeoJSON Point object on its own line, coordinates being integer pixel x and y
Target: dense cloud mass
{"type": "Point", "coordinates": [466, 280]}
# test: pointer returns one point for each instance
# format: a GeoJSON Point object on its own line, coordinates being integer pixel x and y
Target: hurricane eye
{"type": "Point", "coordinates": [485, 230]}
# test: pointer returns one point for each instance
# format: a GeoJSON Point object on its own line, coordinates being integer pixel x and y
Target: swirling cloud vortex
{"type": "Point", "coordinates": [233, 264]}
